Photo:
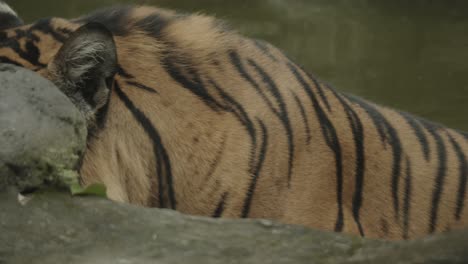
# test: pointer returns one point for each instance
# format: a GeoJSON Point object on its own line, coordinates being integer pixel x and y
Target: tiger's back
{"type": "Point", "coordinates": [184, 113]}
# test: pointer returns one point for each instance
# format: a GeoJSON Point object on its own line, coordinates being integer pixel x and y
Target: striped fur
{"type": "Point", "coordinates": [207, 122]}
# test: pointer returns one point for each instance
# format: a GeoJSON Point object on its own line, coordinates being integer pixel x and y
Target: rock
{"type": "Point", "coordinates": [57, 228]}
{"type": "Point", "coordinates": [42, 134]}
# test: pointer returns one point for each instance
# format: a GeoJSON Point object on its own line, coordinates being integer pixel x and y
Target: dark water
{"type": "Point", "coordinates": [412, 55]}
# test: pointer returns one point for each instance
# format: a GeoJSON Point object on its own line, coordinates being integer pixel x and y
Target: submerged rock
{"type": "Point", "coordinates": [42, 134]}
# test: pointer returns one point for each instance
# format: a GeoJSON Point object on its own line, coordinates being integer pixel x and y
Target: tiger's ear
{"type": "Point", "coordinates": [8, 17]}
{"type": "Point", "coordinates": [89, 54]}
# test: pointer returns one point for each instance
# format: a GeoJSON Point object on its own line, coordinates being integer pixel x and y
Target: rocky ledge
{"type": "Point", "coordinates": [55, 227]}
{"type": "Point", "coordinates": [41, 139]}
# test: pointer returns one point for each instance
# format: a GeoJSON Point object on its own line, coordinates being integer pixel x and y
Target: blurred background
{"type": "Point", "coordinates": [411, 55]}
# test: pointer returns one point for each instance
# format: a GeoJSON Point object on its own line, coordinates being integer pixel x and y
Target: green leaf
{"type": "Point", "coordinates": [96, 189]}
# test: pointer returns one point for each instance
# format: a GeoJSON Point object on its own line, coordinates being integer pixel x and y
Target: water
{"type": "Point", "coordinates": [411, 55]}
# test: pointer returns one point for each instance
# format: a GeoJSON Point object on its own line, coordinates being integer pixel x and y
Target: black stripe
{"type": "Point", "coordinates": [141, 86]}
{"type": "Point", "coordinates": [44, 25]}
{"type": "Point", "coordinates": [214, 164]}
{"type": "Point", "coordinates": [236, 61]}
{"type": "Point", "coordinates": [263, 47]}
{"type": "Point", "coordinates": [418, 131]}
{"type": "Point", "coordinates": [235, 107]}
{"type": "Point", "coordinates": [282, 114]}
{"type": "Point", "coordinates": [317, 85]}
{"type": "Point", "coordinates": [304, 118]}
{"type": "Point", "coordinates": [358, 137]}
{"type": "Point", "coordinates": [406, 200]}
{"type": "Point", "coordinates": [164, 172]}
{"type": "Point", "coordinates": [331, 139]}
{"type": "Point", "coordinates": [153, 24]}
{"type": "Point", "coordinates": [255, 166]}
{"type": "Point", "coordinates": [221, 206]}
{"type": "Point", "coordinates": [187, 76]}
{"type": "Point", "coordinates": [31, 53]}
{"type": "Point", "coordinates": [463, 177]}
{"type": "Point", "coordinates": [256, 173]}
{"type": "Point", "coordinates": [440, 178]}
{"type": "Point", "coordinates": [387, 134]}
{"type": "Point", "coordinates": [377, 118]}
{"type": "Point", "coordinates": [124, 73]}
{"type": "Point", "coordinates": [320, 91]}
{"type": "Point", "coordinates": [231, 105]}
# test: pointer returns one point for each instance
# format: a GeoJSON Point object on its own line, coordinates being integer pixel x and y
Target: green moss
{"type": "Point", "coordinates": [94, 189]}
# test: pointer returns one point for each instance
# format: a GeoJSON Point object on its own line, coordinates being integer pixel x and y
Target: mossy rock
{"type": "Point", "coordinates": [42, 134]}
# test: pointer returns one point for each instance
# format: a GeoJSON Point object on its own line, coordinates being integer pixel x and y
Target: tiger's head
{"type": "Point", "coordinates": [81, 60]}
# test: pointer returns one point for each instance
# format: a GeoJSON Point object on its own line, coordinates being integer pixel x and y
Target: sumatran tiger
{"type": "Point", "coordinates": [184, 113]}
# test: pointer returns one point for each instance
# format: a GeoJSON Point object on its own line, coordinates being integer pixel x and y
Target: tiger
{"type": "Point", "coordinates": [185, 113]}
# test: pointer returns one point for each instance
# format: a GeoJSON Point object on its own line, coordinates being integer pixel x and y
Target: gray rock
{"type": "Point", "coordinates": [56, 228]}
{"type": "Point", "coordinates": [42, 134]}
